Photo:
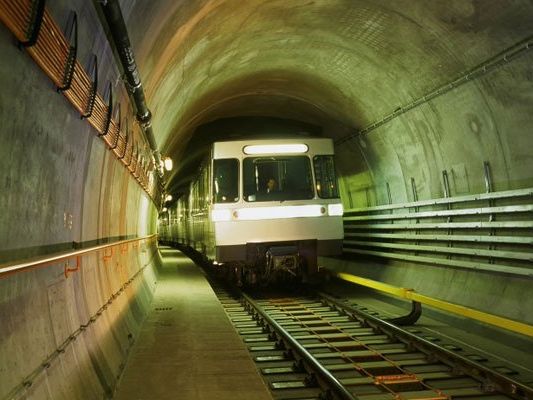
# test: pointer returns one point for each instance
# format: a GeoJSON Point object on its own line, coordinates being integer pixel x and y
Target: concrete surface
{"type": "Point", "coordinates": [41, 308]}
{"type": "Point", "coordinates": [187, 347]}
{"type": "Point", "coordinates": [61, 188]}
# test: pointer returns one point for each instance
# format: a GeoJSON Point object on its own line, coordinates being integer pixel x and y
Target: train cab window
{"type": "Point", "coordinates": [225, 180]}
{"type": "Point", "coordinates": [277, 178]}
{"type": "Point", "coordinates": [326, 181]}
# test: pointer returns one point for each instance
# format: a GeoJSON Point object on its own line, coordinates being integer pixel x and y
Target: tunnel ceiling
{"type": "Point", "coordinates": [337, 64]}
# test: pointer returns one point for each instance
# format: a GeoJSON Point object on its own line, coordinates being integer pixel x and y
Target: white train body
{"type": "Point", "coordinates": [232, 216]}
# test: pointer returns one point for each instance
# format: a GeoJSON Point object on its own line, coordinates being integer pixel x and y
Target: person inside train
{"type": "Point", "coordinates": [271, 186]}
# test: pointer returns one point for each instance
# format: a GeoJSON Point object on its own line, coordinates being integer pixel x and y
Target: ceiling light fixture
{"type": "Point", "coordinates": [167, 162]}
{"type": "Point", "coordinates": [276, 148]}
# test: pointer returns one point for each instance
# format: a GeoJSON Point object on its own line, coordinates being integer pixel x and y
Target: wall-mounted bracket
{"type": "Point", "coordinates": [409, 319]}
{"type": "Point", "coordinates": [118, 117]}
{"type": "Point", "coordinates": [71, 33]}
{"type": "Point", "coordinates": [487, 176]}
{"type": "Point", "coordinates": [107, 256]}
{"type": "Point", "coordinates": [126, 139]}
{"type": "Point", "coordinates": [389, 196]}
{"type": "Point", "coordinates": [67, 269]}
{"type": "Point", "coordinates": [133, 149]}
{"type": "Point", "coordinates": [93, 68]}
{"type": "Point", "coordinates": [109, 95]}
{"type": "Point", "coordinates": [34, 24]}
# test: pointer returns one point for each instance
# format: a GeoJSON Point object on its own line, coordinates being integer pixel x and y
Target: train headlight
{"type": "Point", "coordinates": [280, 212]}
{"type": "Point", "coordinates": [335, 209]}
{"type": "Point", "coordinates": [221, 215]}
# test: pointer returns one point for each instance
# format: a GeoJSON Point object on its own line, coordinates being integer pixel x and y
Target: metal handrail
{"type": "Point", "coordinates": [386, 231]}
{"type": "Point", "coordinates": [526, 240]}
{"type": "Point", "coordinates": [447, 225]}
{"type": "Point", "coordinates": [447, 200]}
{"type": "Point", "coordinates": [445, 213]}
{"type": "Point", "coordinates": [8, 268]}
{"type": "Point", "coordinates": [506, 254]}
{"type": "Point", "coordinates": [332, 382]}
{"type": "Point", "coordinates": [434, 261]}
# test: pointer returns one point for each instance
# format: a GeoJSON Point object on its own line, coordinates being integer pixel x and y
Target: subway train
{"type": "Point", "coordinates": [261, 211]}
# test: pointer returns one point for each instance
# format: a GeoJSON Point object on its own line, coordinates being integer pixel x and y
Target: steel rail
{"type": "Point", "coordinates": [9, 268]}
{"type": "Point", "coordinates": [332, 383]}
{"type": "Point", "coordinates": [504, 384]}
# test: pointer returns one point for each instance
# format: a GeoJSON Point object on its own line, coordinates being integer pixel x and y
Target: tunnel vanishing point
{"type": "Point", "coordinates": [429, 104]}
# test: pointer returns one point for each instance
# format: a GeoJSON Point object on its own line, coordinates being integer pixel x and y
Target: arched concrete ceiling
{"type": "Point", "coordinates": [337, 64]}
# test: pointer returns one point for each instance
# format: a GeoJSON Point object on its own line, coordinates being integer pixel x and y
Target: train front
{"type": "Point", "coordinates": [276, 207]}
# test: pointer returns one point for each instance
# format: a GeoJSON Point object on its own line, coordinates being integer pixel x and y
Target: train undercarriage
{"type": "Point", "coordinates": [272, 263]}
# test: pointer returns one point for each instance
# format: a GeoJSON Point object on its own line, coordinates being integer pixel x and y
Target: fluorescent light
{"type": "Point", "coordinates": [221, 215]}
{"type": "Point", "coordinates": [280, 212]}
{"type": "Point", "coordinates": [167, 162]}
{"type": "Point", "coordinates": [335, 209]}
{"type": "Point", "coordinates": [275, 148]}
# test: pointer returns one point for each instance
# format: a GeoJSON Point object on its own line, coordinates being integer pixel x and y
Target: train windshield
{"type": "Point", "coordinates": [225, 180]}
{"type": "Point", "coordinates": [326, 181]}
{"type": "Point", "coordinates": [277, 178]}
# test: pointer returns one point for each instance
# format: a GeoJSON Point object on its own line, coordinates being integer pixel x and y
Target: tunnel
{"type": "Point", "coordinates": [428, 105]}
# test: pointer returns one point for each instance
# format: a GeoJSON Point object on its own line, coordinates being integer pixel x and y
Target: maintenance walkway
{"type": "Point", "coordinates": [187, 347]}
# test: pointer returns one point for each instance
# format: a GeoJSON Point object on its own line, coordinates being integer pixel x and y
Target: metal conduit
{"type": "Point", "coordinates": [121, 41]}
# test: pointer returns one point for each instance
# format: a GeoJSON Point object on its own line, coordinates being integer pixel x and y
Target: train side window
{"type": "Point", "coordinates": [326, 180]}
{"type": "Point", "coordinates": [225, 180]}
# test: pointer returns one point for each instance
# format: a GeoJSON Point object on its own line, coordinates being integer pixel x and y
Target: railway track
{"type": "Point", "coordinates": [315, 346]}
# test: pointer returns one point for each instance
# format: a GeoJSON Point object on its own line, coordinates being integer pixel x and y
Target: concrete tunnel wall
{"type": "Point", "coordinates": [485, 120]}
{"type": "Point", "coordinates": [344, 65]}
{"type": "Point", "coordinates": [60, 185]}
{"type": "Point", "coordinates": [339, 64]}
